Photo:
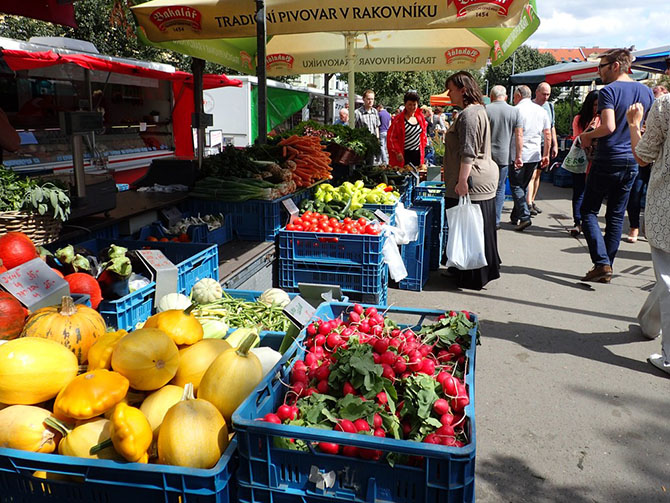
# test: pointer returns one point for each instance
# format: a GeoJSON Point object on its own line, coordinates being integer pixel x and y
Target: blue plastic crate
{"type": "Point", "coordinates": [267, 473]}
{"type": "Point", "coordinates": [194, 262]}
{"type": "Point", "coordinates": [416, 255]}
{"type": "Point", "coordinates": [253, 220]}
{"type": "Point", "coordinates": [562, 177]}
{"type": "Point", "coordinates": [352, 279]}
{"type": "Point", "coordinates": [101, 481]}
{"type": "Point", "coordinates": [429, 189]}
{"type": "Point", "coordinates": [196, 233]}
{"type": "Point", "coordinates": [437, 228]}
{"type": "Point", "coordinates": [335, 248]}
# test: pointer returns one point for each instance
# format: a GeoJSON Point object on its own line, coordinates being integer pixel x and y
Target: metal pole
{"type": "Point", "coordinates": [511, 94]}
{"type": "Point", "coordinates": [327, 119]}
{"type": "Point", "coordinates": [351, 78]}
{"type": "Point", "coordinates": [197, 67]}
{"type": "Point", "coordinates": [78, 167]}
{"type": "Point", "coordinates": [261, 33]}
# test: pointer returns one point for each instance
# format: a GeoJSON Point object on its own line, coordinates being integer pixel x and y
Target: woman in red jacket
{"type": "Point", "coordinates": [406, 139]}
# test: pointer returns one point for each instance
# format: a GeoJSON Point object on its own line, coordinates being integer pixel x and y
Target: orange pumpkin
{"type": "Point", "coordinates": [76, 327]}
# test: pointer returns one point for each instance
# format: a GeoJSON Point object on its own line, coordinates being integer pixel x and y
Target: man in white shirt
{"type": "Point", "coordinates": [536, 128]}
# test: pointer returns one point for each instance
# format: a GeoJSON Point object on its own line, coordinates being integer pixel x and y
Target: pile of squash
{"type": "Point", "coordinates": [68, 385]}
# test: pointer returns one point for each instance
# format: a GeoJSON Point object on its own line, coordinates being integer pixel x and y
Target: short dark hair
{"type": "Point", "coordinates": [621, 56]}
{"type": "Point", "coordinates": [411, 96]}
{"type": "Point", "coordinates": [464, 80]}
{"type": "Point", "coordinates": [368, 91]}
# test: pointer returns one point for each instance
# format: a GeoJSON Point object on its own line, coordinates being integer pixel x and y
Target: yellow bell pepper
{"type": "Point", "coordinates": [131, 433]}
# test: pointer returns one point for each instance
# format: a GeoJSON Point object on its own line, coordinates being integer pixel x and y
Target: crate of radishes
{"type": "Point", "coordinates": [370, 406]}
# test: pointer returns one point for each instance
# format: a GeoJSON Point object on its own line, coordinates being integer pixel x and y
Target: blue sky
{"type": "Point", "coordinates": [602, 23]}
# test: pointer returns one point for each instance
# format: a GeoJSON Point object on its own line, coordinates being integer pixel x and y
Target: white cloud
{"type": "Point", "coordinates": [611, 23]}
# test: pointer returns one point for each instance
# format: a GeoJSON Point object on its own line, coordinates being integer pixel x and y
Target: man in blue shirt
{"type": "Point", "coordinates": [614, 168]}
{"type": "Point", "coordinates": [384, 123]}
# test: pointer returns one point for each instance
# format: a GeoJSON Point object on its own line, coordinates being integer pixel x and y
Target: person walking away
{"type": "Point", "coordinates": [343, 118]}
{"type": "Point", "coordinates": [430, 135]}
{"type": "Point", "coordinates": [654, 146]}
{"type": "Point", "coordinates": [439, 123]}
{"type": "Point", "coordinates": [542, 94]}
{"type": "Point", "coordinates": [586, 118]}
{"type": "Point", "coordinates": [636, 202]}
{"type": "Point", "coordinates": [614, 168]}
{"type": "Point", "coordinates": [506, 140]}
{"type": "Point", "coordinates": [534, 153]}
{"type": "Point", "coordinates": [367, 116]}
{"type": "Point", "coordinates": [469, 169]}
{"type": "Point", "coordinates": [384, 123]}
{"type": "Point", "coordinates": [406, 140]}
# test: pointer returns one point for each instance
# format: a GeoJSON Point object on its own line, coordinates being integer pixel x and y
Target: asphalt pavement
{"type": "Point", "coordinates": [567, 407]}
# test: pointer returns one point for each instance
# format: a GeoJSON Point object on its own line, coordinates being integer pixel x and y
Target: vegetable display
{"type": "Point", "coordinates": [360, 140]}
{"type": "Point", "coordinates": [28, 194]}
{"type": "Point", "coordinates": [357, 193]}
{"type": "Point", "coordinates": [15, 249]}
{"type": "Point", "coordinates": [241, 313]}
{"type": "Point", "coordinates": [13, 316]}
{"type": "Point", "coordinates": [365, 374]}
{"type": "Point", "coordinates": [311, 161]}
{"type": "Point", "coordinates": [316, 222]}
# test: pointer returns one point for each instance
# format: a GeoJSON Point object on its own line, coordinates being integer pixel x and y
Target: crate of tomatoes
{"type": "Point", "coordinates": [371, 406]}
{"type": "Point", "coordinates": [313, 237]}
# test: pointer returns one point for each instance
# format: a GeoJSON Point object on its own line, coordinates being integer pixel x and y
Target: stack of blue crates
{"type": "Point", "coordinates": [437, 234]}
{"type": "Point", "coordinates": [416, 255]}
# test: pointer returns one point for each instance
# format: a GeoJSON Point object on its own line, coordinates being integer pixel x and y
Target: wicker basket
{"type": "Point", "coordinates": [42, 229]}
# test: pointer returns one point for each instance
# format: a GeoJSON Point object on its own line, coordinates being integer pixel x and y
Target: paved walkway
{"type": "Point", "coordinates": [567, 408]}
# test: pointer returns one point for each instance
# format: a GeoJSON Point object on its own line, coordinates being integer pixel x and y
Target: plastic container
{"type": "Point", "coordinates": [193, 262]}
{"type": "Point", "coordinates": [268, 474]}
{"type": "Point", "coordinates": [416, 255]}
{"type": "Point", "coordinates": [253, 220]}
{"type": "Point", "coordinates": [196, 233]}
{"type": "Point", "coordinates": [105, 481]}
{"type": "Point", "coordinates": [437, 228]}
{"type": "Point", "coordinates": [331, 248]}
{"type": "Point", "coordinates": [430, 189]}
{"type": "Point", "coordinates": [562, 177]}
{"type": "Point", "coordinates": [352, 279]}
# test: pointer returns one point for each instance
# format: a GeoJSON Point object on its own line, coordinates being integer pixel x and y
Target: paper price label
{"type": "Point", "coordinates": [156, 259]}
{"type": "Point", "coordinates": [34, 284]}
{"type": "Point", "coordinates": [299, 311]}
{"type": "Point", "coordinates": [382, 216]}
{"type": "Point", "coordinates": [291, 208]}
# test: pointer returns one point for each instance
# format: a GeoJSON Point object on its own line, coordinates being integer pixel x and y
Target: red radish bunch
{"type": "Point", "coordinates": [341, 351]}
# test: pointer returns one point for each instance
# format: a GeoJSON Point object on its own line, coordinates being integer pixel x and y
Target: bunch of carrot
{"type": "Point", "coordinates": [311, 160]}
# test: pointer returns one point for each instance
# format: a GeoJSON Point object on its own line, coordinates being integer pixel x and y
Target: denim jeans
{"type": "Point", "coordinates": [638, 196]}
{"type": "Point", "coordinates": [500, 192]}
{"type": "Point", "coordinates": [518, 182]}
{"type": "Point", "coordinates": [578, 186]}
{"type": "Point", "coordinates": [613, 179]}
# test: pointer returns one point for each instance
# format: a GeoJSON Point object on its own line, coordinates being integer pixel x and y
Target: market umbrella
{"type": "Point", "coordinates": [53, 11]}
{"type": "Point", "coordinates": [441, 100]}
{"type": "Point", "coordinates": [567, 74]}
{"type": "Point", "coordinates": [652, 60]}
{"type": "Point", "coordinates": [341, 35]}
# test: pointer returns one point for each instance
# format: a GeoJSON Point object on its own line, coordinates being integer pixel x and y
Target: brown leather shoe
{"type": "Point", "coordinates": [599, 274]}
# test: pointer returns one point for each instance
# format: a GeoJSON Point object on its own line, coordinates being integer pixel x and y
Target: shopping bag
{"type": "Point", "coordinates": [576, 160]}
{"type": "Point", "coordinates": [465, 244]}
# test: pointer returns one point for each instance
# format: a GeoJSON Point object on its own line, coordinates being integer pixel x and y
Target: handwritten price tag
{"type": "Point", "coordinates": [163, 272]}
{"type": "Point", "coordinates": [299, 311]}
{"type": "Point", "coordinates": [34, 284]}
{"type": "Point", "coordinates": [156, 259]}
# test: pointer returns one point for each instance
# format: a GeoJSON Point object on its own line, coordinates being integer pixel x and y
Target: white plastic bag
{"type": "Point", "coordinates": [407, 221]}
{"type": "Point", "coordinates": [465, 245]}
{"type": "Point", "coordinates": [576, 160]}
{"type": "Point", "coordinates": [392, 257]}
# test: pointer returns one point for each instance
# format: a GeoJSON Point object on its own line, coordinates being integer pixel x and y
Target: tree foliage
{"type": "Point", "coordinates": [109, 26]}
{"type": "Point", "coordinates": [390, 87]}
{"type": "Point", "coordinates": [524, 59]}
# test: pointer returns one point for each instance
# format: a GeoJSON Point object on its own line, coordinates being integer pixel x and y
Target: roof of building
{"type": "Point", "coordinates": [574, 54]}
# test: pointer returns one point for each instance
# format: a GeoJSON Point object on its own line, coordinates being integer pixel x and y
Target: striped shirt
{"type": "Point", "coordinates": [412, 136]}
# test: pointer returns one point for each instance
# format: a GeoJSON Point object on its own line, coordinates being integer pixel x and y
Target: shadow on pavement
{"type": "Point", "coordinates": [591, 346]}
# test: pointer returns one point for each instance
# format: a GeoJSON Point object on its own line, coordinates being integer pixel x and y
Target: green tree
{"type": "Point", "coordinates": [524, 59]}
{"type": "Point", "coordinates": [109, 26]}
{"type": "Point", "coordinates": [390, 87]}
